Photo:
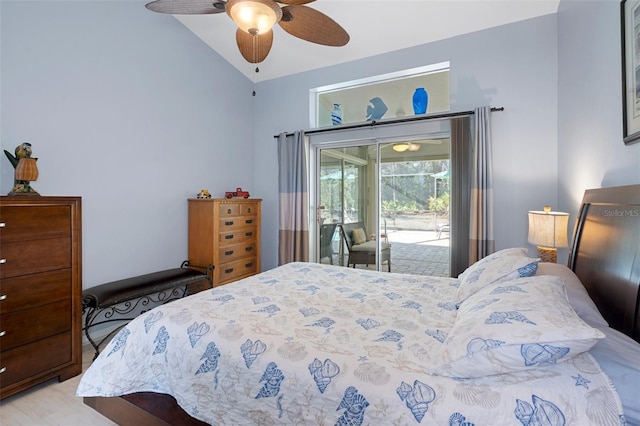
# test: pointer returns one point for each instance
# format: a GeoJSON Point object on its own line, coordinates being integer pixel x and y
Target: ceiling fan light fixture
{"type": "Point", "coordinates": [254, 16]}
{"type": "Point", "coordinates": [400, 147]}
{"type": "Point", "coordinates": [406, 146]}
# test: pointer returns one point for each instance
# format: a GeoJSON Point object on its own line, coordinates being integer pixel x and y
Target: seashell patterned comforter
{"type": "Point", "coordinates": [312, 344]}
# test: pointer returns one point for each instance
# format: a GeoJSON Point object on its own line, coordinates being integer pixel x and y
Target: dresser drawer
{"type": "Point", "coordinates": [249, 209]}
{"type": "Point", "coordinates": [237, 251]}
{"type": "Point", "coordinates": [27, 361]}
{"type": "Point", "coordinates": [236, 222]}
{"type": "Point", "coordinates": [228, 210]}
{"type": "Point", "coordinates": [33, 290]}
{"type": "Point", "coordinates": [240, 268]}
{"type": "Point", "coordinates": [34, 222]}
{"type": "Point", "coordinates": [231, 236]}
{"type": "Point", "coordinates": [28, 325]}
{"type": "Point", "coordinates": [27, 257]}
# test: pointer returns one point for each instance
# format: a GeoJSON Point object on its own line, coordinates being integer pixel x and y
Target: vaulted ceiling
{"type": "Point", "coordinates": [375, 27]}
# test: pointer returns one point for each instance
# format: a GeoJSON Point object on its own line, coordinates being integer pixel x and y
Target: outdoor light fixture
{"type": "Point", "coordinates": [548, 230]}
{"type": "Point", "coordinates": [254, 16]}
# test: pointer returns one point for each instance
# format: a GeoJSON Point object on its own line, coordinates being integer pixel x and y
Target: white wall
{"type": "Point", "coordinates": [131, 111]}
{"type": "Point", "coordinates": [513, 66]}
{"type": "Point", "coordinates": [591, 151]}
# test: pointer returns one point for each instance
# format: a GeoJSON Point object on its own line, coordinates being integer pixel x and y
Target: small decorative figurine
{"type": "Point", "coordinates": [237, 193]}
{"type": "Point", "coordinates": [26, 170]}
{"type": "Point", "coordinates": [376, 111]}
{"type": "Point", "coordinates": [204, 193]}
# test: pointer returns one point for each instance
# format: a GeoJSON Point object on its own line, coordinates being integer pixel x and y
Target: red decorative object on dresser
{"type": "Point", "coordinates": [40, 291]}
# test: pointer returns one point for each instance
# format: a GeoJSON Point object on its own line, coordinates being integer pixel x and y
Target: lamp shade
{"type": "Point", "coordinates": [26, 169]}
{"type": "Point", "coordinates": [254, 16]}
{"type": "Point", "coordinates": [548, 229]}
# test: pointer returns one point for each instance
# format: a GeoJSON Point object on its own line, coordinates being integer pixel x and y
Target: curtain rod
{"type": "Point", "coordinates": [396, 121]}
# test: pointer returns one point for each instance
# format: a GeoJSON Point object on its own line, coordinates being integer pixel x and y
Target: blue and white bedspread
{"type": "Point", "coordinates": [311, 344]}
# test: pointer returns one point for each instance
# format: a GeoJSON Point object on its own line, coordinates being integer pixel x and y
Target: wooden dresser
{"type": "Point", "coordinates": [226, 233]}
{"type": "Point", "coordinates": [40, 291]}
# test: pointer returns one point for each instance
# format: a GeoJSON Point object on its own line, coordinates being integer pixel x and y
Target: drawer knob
{"type": "Point", "coordinates": [248, 221]}
{"type": "Point", "coordinates": [248, 265]}
{"type": "Point", "coordinates": [228, 252]}
{"type": "Point", "coordinates": [250, 248]}
{"type": "Point", "coordinates": [2, 297]}
{"type": "Point", "coordinates": [2, 333]}
{"type": "Point", "coordinates": [228, 223]}
{"type": "Point", "coordinates": [228, 211]}
{"type": "Point", "coordinates": [228, 237]}
{"type": "Point", "coordinates": [3, 369]}
{"type": "Point", "coordinates": [3, 260]}
{"type": "Point", "coordinates": [228, 270]}
{"type": "Point", "coordinates": [248, 234]}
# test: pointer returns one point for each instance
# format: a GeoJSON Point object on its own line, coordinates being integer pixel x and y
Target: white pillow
{"type": "Point", "coordinates": [500, 266]}
{"type": "Point", "coordinates": [576, 293]}
{"type": "Point", "coordinates": [511, 326]}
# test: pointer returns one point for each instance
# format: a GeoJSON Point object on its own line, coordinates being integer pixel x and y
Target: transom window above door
{"type": "Point", "coordinates": [381, 97]}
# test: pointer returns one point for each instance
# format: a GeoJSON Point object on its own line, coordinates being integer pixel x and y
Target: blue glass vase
{"type": "Point", "coordinates": [420, 101]}
{"type": "Point", "coordinates": [336, 115]}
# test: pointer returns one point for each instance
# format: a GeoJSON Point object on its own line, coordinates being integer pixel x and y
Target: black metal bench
{"type": "Point", "coordinates": [118, 300]}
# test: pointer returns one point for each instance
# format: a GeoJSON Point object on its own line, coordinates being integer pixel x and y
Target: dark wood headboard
{"type": "Point", "coordinates": [605, 254]}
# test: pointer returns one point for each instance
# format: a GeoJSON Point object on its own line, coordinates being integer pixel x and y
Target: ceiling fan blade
{"type": "Point", "coordinates": [294, 2]}
{"type": "Point", "coordinates": [311, 25]}
{"type": "Point", "coordinates": [187, 7]}
{"type": "Point", "coordinates": [254, 48]}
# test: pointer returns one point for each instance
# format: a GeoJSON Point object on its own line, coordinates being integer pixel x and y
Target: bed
{"type": "Point", "coordinates": [510, 341]}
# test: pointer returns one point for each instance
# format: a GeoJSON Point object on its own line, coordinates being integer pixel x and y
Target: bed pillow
{"type": "Point", "coordinates": [500, 266]}
{"type": "Point", "coordinates": [512, 326]}
{"type": "Point", "coordinates": [359, 237]}
{"type": "Point", "coordinates": [577, 295]}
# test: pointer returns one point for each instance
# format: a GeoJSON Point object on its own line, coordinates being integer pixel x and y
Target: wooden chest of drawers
{"type": "Point", "coordinates": [226, 233]}
{"type": "Point", "coordinates": [40, 291]}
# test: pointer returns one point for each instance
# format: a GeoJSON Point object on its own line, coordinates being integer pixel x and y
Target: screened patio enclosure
{"type": "Point", "coordinates": [399, 197]}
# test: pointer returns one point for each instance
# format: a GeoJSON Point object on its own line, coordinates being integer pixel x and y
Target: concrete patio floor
{"type": "Point", "coordinates": [413, 252]}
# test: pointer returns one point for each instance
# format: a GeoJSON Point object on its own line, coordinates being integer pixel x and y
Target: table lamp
{"type": "Point", "coordinates": [548, 230]}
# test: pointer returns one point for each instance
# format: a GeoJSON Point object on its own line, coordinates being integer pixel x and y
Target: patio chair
{"type": "Point", "coordinates": [443, 228]}
{"type": "Point", "coordinates": [362, 251]}
{"type": "Point", "coordinates": [326, 240]}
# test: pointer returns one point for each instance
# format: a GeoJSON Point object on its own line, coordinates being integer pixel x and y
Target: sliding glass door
{"type": "Point", "coordinates": [384, 204]}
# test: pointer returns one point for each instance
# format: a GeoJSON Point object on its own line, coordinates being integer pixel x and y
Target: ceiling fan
{"type": "Point", "coordinates": [255, 18]}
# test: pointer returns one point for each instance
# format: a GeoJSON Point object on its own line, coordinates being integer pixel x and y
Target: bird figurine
{"type": "Point", "coordinates": [376, 111]}
{"type": "Point", "coordinates": [22, 151]}
{"type": "Point", "coordinates": [22, 187]}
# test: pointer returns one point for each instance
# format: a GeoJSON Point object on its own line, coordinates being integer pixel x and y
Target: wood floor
{"type": "Point", "coordinates": [52, 403]}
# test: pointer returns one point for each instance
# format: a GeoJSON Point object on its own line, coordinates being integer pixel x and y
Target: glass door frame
{"type": "Point", "coordinates": [314, 188]}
